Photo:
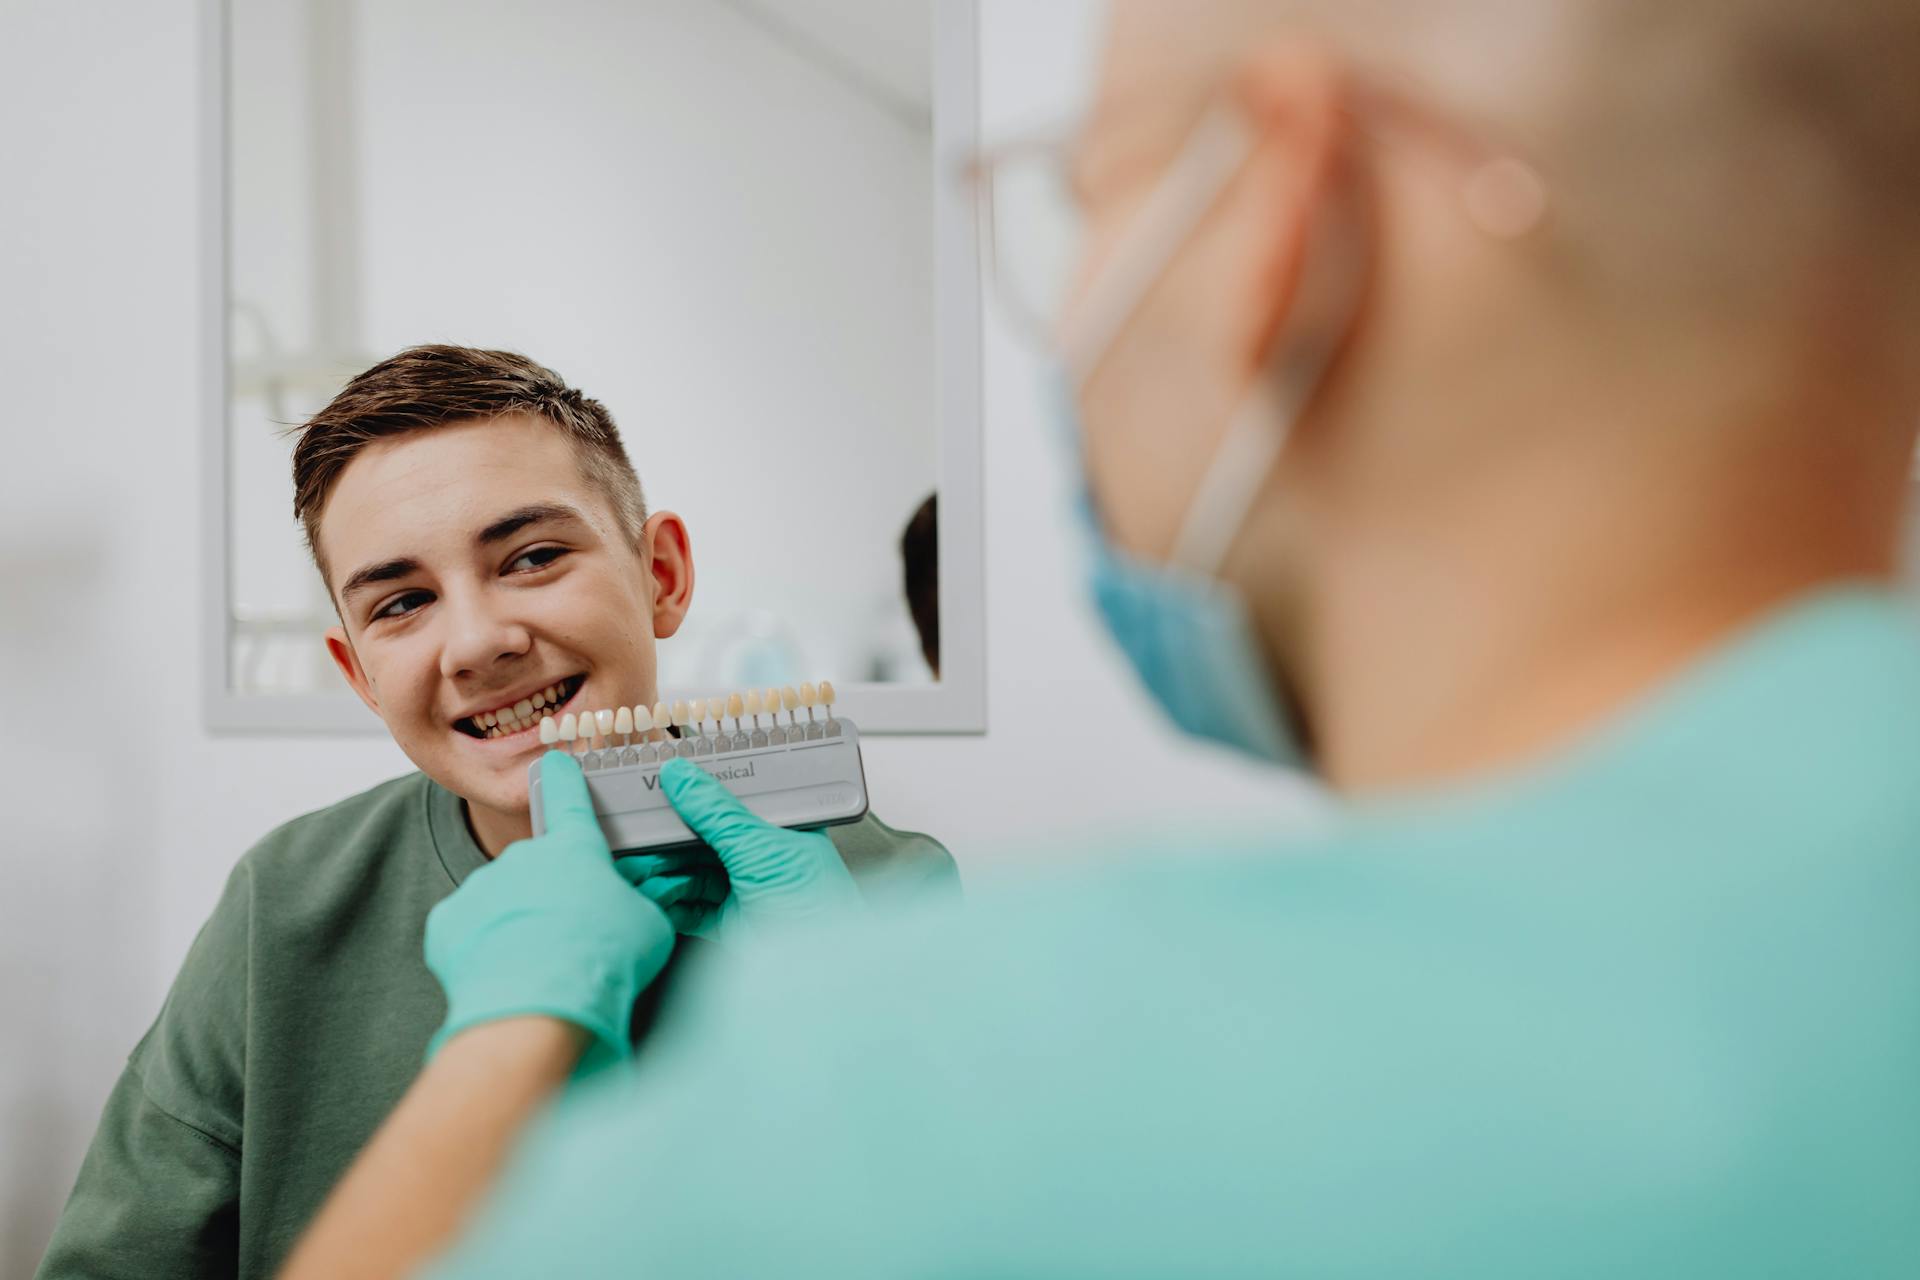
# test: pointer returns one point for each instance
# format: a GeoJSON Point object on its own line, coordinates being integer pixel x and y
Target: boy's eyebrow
{"type": "Point", "coordinates": [514, 521]}
{"type": "Point", "coordinates": [368, 575]}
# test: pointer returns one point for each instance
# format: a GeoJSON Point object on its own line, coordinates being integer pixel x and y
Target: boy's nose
{"type": "Point", "coordinates": [478, 638]}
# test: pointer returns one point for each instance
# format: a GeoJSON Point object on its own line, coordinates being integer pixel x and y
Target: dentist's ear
{"type": "Point", "coordinates": [340, 649]}
{"type": "Point", "coordinates": [669, 555]}
{"type": "Point", "coordinates": [1297, 97]}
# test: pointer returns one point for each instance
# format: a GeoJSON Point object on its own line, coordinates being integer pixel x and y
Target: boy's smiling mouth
{"type": "Point", "coordinates": [522, 714]}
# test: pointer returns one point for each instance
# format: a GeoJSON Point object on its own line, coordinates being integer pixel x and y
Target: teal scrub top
{"type": "Point", "coordinates": [1649, 1007]}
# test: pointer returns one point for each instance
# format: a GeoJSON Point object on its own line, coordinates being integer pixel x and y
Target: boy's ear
{"type": "Point", "coordinates": [340, 649]}
{"type": "Point", "coordinates": [669, 556]}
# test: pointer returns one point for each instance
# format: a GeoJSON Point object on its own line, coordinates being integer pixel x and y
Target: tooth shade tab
{"type": "Point", "coordinates": [809, 696]}
{"type": "Point", "coordinates": [549, 731]}
{"type": "Point", "coordinates": [753, 704]}
{"type": "Point", "coordinates": [789, 699]}
{"type": "Point", "coordinates": [623, 721]}
{"type": "Point", "coordinates": [568, 729]}
{"type": "Point", "coordinates": [603, 720]}
{"type": "Point", "coordinates": [680, 713]}
{"type": "Point", "coordinates": [642, 718]}
{"type": "Point", "coordinates": [662, 717]}
{"type": "Point", "coordinates": [826, 693]}
{"type": "Point", "coordinates": [697, 710]}
{"type": "Point", "coordinates": [772, 698]}
{"type": "Point", "coordinates": [736, 706]}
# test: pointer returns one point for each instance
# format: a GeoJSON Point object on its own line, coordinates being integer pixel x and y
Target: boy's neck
{"type": "Point", "coordinates": [493, 830]}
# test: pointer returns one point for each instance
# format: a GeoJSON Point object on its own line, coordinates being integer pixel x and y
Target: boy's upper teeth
{"type": "Point", "coordinates": [519, 715]}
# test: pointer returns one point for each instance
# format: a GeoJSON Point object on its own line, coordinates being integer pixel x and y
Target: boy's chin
{"type": "Point", "coordinates": [508, 802]}
{"type": "Point", "coordinates": [500, 792]}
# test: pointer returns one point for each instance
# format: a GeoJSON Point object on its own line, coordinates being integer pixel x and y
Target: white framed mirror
{"type": "Point", "coordinates": [740, 224]}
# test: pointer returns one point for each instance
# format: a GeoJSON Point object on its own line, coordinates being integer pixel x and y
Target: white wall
{"type": "Point", "coordinates": [123, 815]}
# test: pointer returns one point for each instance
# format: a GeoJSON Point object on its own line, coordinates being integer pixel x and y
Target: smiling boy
{"type": "Point", "coordinates": [488, 549]}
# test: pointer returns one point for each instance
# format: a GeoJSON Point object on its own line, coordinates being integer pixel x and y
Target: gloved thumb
{"type": "Point", "coordinates": [564, 799]}
{"type": "Point", "coordinates": [773, 872]}
{"type": "Point", "coordinates": [712, 812]}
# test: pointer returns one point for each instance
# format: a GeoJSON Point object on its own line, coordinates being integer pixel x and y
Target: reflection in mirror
{"type": "Point", "coordinates": [715, 216]}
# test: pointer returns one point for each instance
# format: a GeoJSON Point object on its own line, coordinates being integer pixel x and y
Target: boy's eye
{"type": "Point", "coordinates": [402, 605]}
{"type": "Point", "coordinates": [538, 558]}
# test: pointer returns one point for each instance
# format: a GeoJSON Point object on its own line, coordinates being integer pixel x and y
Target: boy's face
{"type": "Point", "coordinates": [476, 569]}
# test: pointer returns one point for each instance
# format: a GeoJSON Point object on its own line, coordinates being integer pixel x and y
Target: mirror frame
{"type": "Point", "coordinates": [954, 704]}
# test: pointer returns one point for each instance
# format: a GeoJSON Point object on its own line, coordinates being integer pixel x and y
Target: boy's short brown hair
{"type": "Point", "coordinates": [434, 386]}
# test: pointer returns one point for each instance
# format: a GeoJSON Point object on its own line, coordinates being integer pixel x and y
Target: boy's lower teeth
{"type": "Point", "coordinates": [502, 730]}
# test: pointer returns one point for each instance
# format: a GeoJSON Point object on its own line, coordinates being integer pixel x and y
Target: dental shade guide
{"type": "Point", "coordinates": [803, 774]}
{"type": "Point", "coordinates": [662, 717]}
{"type": "Point", "coordinates": [826, 701]}
{"type": "Point", "coordinates": [623, 725]}
{"type": "Point", "coordinates": [682, 739]}
{"type": "Point", "coordinates": [810, 698]}
{"type": "Point", "coordinates": [750, 703]}
{"type": "Point", "coordinates": [737, 707]}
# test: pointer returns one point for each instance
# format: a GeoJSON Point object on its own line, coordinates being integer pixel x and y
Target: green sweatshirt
{"type": "Point", "coordinates": [299, 1017]}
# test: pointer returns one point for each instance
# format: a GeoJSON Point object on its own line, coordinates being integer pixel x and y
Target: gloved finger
{"type": "Point", "coordinates": [669, 891]}
{"type": "Point", "coordinates": [712, 812]}
{"type": "Point", "coordinates": [693, 859]}
{"type": "Point", "coordinates": [688, 901]}
{"type": "Point", "coordinates": [636, 867]}
{"type": "Point", "coordinates": [564, 798]}
{"type": "Point", "coordinates": [711, 890]}
{"type": "Point", "coordinates": [688, 917]}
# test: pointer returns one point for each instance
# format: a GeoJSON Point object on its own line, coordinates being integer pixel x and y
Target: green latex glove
{"type": "Point", "coordinates": [763, 876]}
{"type": "Point", "coordinates": [549, 927]}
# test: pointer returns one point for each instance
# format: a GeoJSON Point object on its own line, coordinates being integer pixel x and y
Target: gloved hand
{"type": "Point", "coordinates": [549, 927]}
{"type": "Point", "coordinates": [766, 876]}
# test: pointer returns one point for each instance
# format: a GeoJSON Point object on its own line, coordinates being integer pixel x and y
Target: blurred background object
{"type": "Point", "coordinates": [920, 568]}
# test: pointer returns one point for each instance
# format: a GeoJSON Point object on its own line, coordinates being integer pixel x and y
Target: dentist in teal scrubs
{"type": "Point", "coordinates": [1503, 411]}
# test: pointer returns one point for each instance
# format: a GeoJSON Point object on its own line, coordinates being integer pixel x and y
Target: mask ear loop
{"type": "Point", "coordinates": [1503, 196]}
{"type": "Point", "coordinates": [1218, 148]}
{"type": "Point", "coordinates": [1325, 306]}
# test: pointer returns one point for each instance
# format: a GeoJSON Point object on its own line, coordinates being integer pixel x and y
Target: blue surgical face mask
{"type": "Point", "coordinates": [1189, 635]}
